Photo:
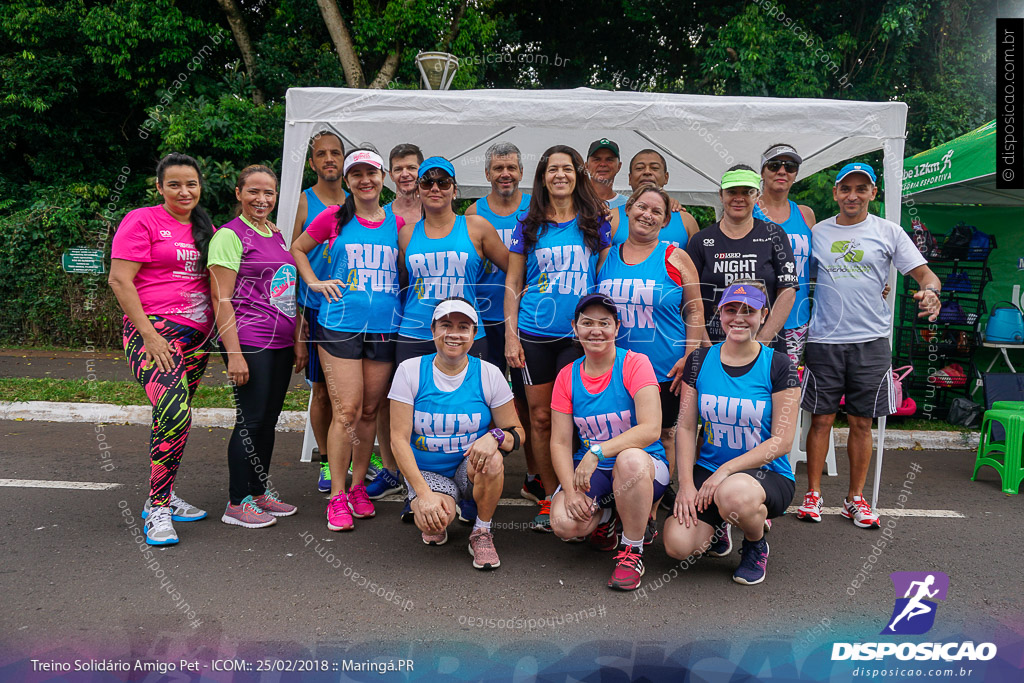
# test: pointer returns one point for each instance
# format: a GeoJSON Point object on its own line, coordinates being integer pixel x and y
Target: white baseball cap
{"type": "Point", "coordinates": [455, 305]}
{"type": "Point", "coordinates": [362, 156]}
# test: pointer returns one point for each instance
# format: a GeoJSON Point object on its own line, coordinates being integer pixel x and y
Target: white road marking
{"type": "Point", "coordinates": [885, 512]}
{"type": "Point", "coordinates": [44, 484]}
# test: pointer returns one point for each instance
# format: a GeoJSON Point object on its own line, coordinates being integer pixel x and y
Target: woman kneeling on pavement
{"type": "Point", "coordinates": [611, 395]}
{"type": "Point", "coordinates": [747, 396]}
{"type": "Point", "coordinates": [445, 411]}
{"type": "Point", "coordinates": [252, 281]}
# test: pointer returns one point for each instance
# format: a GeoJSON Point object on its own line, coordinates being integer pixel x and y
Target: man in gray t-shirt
{"type": "Point", "coordinates": [848, 343]}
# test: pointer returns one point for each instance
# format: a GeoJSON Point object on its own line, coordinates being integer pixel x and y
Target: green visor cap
{"type": "Point", "coordinates": [741, 178]}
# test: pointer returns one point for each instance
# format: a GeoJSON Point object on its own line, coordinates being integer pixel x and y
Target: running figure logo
{"type": "Point", "coordinates": [847, 250]}
{"type": "Point", "coordinates": [914, 612]}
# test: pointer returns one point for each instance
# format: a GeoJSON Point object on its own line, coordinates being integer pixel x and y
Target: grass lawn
{"type": "Point", "coordinates": [118, 393]}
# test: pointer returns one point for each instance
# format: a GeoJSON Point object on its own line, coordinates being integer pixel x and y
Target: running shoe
{"type": "Point", "coordinates": [158, 528]}
{"type": "Point", "coordinates": [532, 490]}
{"type": "Point", "coordinates": [481, 547]}
{"type": "Point", "coordinates": [384, 484]}
{"type": "Point", "coordinates": [359, 503]}
{"type": "Point", "coordinates": [668, 499]}
{"type": "Point", "coordinates": [339, 517]}
{"type": "Point", "coordinates": [810, 511]}
{"type": "Point", "coordinates": [629, 569]}
{"type": "Point", "coordinates": [753, 562]}
{"type": "Point", "coordinates": [408, 516]}
{"type": "Point", "coordinates": [467, 511]}
{"type": "Point", "coordinates": [248, 514]}
{"type": "Point", "coordinates": [324, 484]}
{"type": "Point", "coordinates": [651, 532]}
{"type": "Point", "coordinates": [180, 510]}
{"type": "Point", "coordinates": [435, 539]}
{"type": "Point", "coordinates": [575, 539]}
{"type": "Point", "coordinates": [376, 465]}
{"type": "Point", "coordinates": [606, 536]}
{"type": "Point", "coordinates": [861, 513]}
{"type": "Point", "coordinates": [269, 502]}
{"type": "Point", "coordinates": [542, 522]}
{"type": "Point", "coordinates": [721, 540]}
{"type": "Point", "coordinates": [767, 525]}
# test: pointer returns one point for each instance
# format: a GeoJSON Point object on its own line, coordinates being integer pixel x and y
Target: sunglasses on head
{"type": "Point", "coordinates": [443, 184]}
{"type": "Point", "coordinates": [791, 166]}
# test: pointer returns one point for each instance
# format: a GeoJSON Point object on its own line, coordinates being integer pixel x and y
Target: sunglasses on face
{"type": "Point", "coordinates": [443, 184]}
{"type": "Point", "coordinates": [791, 166]}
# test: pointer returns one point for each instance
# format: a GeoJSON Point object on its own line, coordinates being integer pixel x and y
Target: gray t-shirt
{"type": "Point", "coordinates": [852, 264]}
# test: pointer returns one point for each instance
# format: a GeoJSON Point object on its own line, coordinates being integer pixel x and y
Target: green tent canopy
{"type": "Point", "coordinates": [961, 171]}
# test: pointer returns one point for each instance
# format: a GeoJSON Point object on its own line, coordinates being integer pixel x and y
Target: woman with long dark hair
{"type": "Point", "coordinates": [557, 249]}
{"type": "Point", "coordinates": [358, 322]}
{"type": "Point", "coordinates": [158, 274]}
{"type": "Point", "coordinates": [252, 279]}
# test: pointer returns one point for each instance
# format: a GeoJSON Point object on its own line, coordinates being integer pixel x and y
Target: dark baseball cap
{"type": "Point", "coordinates": [598, 299]}
{"type": "Point", "coordinates": [604, 143]}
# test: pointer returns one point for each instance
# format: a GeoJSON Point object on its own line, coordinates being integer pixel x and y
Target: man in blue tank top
{"type": "Point", "coordinates": [780, 165]}
{"type": "Point", "coordinates": [503, 207]}
{"type": "Point", "coordinates": [648, 166]}
{"type": "Point", "coordinates": [327, 153]}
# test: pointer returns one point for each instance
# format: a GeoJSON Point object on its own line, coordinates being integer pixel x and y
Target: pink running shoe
{"type": "Point", "coordinates": [435, 539]}
{"type": "Point", "coordinates": [338, 516]}
{"type": "Point", "coordinates": [481, 547]}
{"type": "Point", "coordinates": [359, 502]}
{"type": "Point", "coordinates": [272, 504]}
{"type": "Point", "coordinates": [247, 514]}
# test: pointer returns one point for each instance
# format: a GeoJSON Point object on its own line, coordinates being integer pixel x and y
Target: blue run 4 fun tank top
{"type": "Point", "coordinates": [649, 303]}
{"type": "Point", "coordinates": [600, 417]}
{"type": "Point", "coordinates": [444, 424]}
{"type": "Point", "coordinates": [366, 262]}
{"type": "Point", "coordinates": [491, 290]}
{"type": "Point", "coordinates": [736, 411]}
{"type": "Point", "coordinates": [800, 238]}
{"type": "Point", "coordinates": [438, 268]}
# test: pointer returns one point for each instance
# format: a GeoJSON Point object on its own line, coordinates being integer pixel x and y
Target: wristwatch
{"type": "Point", "coordinates": [596, 450]}
{"type": "Point", "coordinates": [498, 435]}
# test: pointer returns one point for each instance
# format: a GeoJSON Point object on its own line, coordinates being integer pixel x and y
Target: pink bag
{"type": "Point", "coordinates": [905, 406]}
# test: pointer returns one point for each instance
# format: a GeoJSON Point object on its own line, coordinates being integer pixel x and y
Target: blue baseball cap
{"type": "Point", "coordinates": [856, 168]}
{"type": "Point", "coordinates": [744, 294]}
{"type": "Point", "coordinates": [436, 162]}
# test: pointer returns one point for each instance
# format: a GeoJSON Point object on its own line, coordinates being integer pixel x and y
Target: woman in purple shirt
{"type": "Point", "coordinates": [252, 282]}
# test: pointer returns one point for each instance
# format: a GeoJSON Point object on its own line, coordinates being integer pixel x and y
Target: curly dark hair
{"type": "Point", "coordinates": [589, 207]}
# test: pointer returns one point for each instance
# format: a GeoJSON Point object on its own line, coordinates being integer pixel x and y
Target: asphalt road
{"type": "Point", "coordinates": [75, 584]}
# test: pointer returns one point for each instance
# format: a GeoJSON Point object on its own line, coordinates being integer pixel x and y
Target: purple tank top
{"type": "Point", "coordinates": [264, 296]}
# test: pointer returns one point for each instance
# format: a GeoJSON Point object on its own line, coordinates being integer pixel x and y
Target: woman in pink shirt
{"type": "Point", "coordinates": [158, 273]}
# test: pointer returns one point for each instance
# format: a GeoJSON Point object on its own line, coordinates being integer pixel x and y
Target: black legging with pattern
{"type": "Point", "coordinates": [170, 393]}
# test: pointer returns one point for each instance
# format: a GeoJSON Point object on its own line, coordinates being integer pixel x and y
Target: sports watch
{"type": "Point", "coordinates": [596, 450]}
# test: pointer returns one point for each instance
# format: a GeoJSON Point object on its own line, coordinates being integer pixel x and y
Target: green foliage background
{"type": "Point", "coordinates": [91, 87]}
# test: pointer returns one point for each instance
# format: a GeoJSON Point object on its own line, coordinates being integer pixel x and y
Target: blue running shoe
{"type": "Point", "coordinates": [407, 514]}
{"type": "Point", "coordinates": [467, 511]}
{"type": "Point", "coordinates": [376, 466]}
{"type": "Point", "coordinates": [324, 485]}
{"type": "Point", "coordinates": [721, 541]}
{"type": "Point", "coordinates": [754, 562]}
{"type": "Point", "coordinates": [385, 483]}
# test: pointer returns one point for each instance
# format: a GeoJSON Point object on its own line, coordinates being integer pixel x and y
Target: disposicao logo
{"type": "Point", "coordinates": [914, 614]}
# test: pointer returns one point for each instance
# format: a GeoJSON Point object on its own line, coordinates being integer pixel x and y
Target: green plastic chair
{"type": "Point", "coordinates": [1008, 405]}
{"type": "Point", "coordinates": [1011, 473]}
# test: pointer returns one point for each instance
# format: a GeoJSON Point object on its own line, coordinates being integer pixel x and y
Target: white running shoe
{"type": "Point", "coordinates": [158, 527]}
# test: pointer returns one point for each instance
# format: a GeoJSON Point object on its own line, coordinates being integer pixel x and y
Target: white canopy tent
{"type": "Point", "coordinates": [700, 136]}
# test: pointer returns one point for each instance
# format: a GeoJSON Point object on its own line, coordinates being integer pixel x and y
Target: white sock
{"type": "Point", "coordinates": [639, 545]}
{"type": "Point", "coordinates": [531, 477]}
{"type": "Point", "coordinates": [486, 526]}
{"type": "Point", "coordinates": [606, 514]}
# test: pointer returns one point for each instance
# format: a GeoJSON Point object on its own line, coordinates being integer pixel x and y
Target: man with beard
{"type": "Point", "coordinates": [327, 152]}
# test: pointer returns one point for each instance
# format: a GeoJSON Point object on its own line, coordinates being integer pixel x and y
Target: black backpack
{"type": "Point", "coordinates": [958, 242]}
{"type": "Point", "coordinates": [924, 239]}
